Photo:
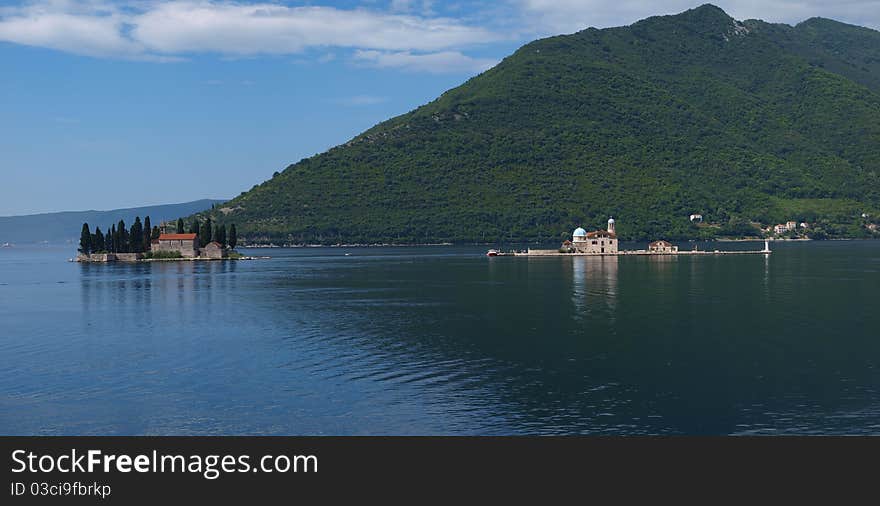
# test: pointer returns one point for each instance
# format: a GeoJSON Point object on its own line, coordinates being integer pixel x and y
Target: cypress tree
{"type": "Point", "coordinates": [194, 229]}
{"type": "Point", "coordinates": [148, 231]}
{"type": "Point", "coordinates": [108, 241]}
{"type": "Point", "coordinates": [85, 240]}
{"type": "Point", "coordinates": [233, 237]}
{"type": "Point", "coordinates": [136, 236]}
{"type": "Point", "coordinates": [221, 235]}
{"type": "Point", "coordinates": [122, 238]}
{"type": "Point", "coordinates": [98, 243]}
{"type": "Point", "coordinates": [206, 232]}
{"type": "Point", "coordinates": [155, 233]}
{"type": "Point", "coordinates": [114, 239]}
{"type": "Point", "coordinates": [180, 227]}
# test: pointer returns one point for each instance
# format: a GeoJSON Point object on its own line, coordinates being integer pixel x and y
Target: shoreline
{"type": "Point", "coordinates": [550, 254]}
{"type": "Point", "coordinates": [354, 245]}
{"type": "Point", "coordinates": [461, 244]}
{"type": "Point", "coordinates": [131, 259]}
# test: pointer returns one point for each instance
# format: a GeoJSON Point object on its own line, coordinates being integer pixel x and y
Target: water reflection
{"type": "Point", "coordinates": [594, 286]}
{"type": "Point", "coordinates": [397, 343]}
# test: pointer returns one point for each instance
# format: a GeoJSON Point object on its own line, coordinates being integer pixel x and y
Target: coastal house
{"type": "Point", "coordinates": [214, 250]}
{"type": "Point", "coordinates": [186, 244]}
{"type": "Point", "coordinates": [697, 218]}
{"type": "Point", "coordinates": [662, 247]}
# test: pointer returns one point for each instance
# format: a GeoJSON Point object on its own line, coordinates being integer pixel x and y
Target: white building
{"type": "Point", "coordinates": [662, 247]}
{"type": "Point", "coordinates": [597, 242]}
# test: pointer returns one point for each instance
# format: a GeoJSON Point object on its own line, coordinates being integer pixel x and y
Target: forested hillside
{"type": "Point", "coordinates": [746, 123]}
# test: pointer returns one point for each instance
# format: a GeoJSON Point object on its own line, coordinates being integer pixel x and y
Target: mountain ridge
{"type": "Point", "coordinates": [742, 121]}
{"type": "Point", "coordinates": [66, 225]}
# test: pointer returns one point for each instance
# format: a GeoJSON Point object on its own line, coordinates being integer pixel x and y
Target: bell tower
{"type": "Point", "coordinates": [611, 229]}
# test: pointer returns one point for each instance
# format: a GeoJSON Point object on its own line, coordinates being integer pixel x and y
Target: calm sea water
{"type": "Point", "coordinates": [443, 341]}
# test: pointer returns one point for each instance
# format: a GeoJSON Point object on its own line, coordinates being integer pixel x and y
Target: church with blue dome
{"type": "Point", "coordinates": [596, 242]}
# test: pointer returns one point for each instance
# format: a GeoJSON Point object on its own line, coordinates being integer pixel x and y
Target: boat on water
{"type": "Point", "coordinates": [6, 245]}
{"type": "Point", "coordinates": [492, 253]}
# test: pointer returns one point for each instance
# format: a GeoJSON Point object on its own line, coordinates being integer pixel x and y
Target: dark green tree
{"type": "Point", "coordinates": [113, 239]}
{"type": "Point", "coordinates": [121, 238]}
{"type": "Point", "coordinates": [220, 235]}
{"type": "Point", "coordinates": [136, 236]}
{"type": "Point", "coordinates": [108, 241]}
{"type": "Point", "coordinates": [148, 233]}
{"type": "Point", "coordinates": [194, 228]}
{"type": "Point", "coordinates": [98, 240]}
{"type": "Point", "coordinates": [180, 227]}
{"type": "Point", "coordinates": [206, 233]}
{"type": "Point", "coordinates": [85, 240]}
{"type": "Point", "coordinates": [155, 233]}
{"type": "Point", "coordinates": [233, 236]}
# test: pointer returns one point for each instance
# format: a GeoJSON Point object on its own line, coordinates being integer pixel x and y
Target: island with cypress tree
{"type": "Point", "coordinates": [142, 241]}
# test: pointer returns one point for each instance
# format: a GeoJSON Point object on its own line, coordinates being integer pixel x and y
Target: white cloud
{"type": "Point", "coordinates": [173, 28]}
{"type": "Point", "coordinates": [437, 63]}
{"type": "Point", "coordinates": [63, 26]}
{"type": "Point", "coordinates": [406, 34]}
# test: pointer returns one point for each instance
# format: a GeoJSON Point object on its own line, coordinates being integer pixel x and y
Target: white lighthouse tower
{"type": "Point", "coordinates": [611, 229]}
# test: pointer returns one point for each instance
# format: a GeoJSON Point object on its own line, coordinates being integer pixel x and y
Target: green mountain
{"type": "Point", "coordinates": [743, 122]}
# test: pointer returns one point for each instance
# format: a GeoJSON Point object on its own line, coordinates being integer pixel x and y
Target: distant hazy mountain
{"type": "Point", "coordinates": [740, 121]}
{"type": "Point", "coordinates": [64, 226]}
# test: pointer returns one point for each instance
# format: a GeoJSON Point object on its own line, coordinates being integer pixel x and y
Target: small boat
{"type": "Point", "coordinates": [7, 245]}
{"type": "Point", "coordinates": [492, 253]}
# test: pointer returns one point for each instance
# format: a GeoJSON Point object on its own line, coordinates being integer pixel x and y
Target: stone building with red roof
{"type": "Point", "coordinates": [186, 244]}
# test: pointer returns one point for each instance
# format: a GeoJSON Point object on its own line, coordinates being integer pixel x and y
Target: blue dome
{"type": "Point", "coordinates": [579, 232]}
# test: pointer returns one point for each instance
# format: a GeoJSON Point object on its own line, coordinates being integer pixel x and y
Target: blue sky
{"type": "Point", "coordinates": [107, 104]}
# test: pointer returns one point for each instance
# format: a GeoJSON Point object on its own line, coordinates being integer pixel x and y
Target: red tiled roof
{"type": "Point", "coordinates": [601, 233]}
{"type": "Point", "coordinates": [177, 237]}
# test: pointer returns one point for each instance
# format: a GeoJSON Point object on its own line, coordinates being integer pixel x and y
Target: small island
{"type": "Point", "coordinates": [143, 243]}
{"type": "Point", "coordinates": [605, 242]}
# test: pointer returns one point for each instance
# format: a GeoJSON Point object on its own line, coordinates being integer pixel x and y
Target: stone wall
{"type": "Point", "coordinates": [96, 257]}
{"type": "Point", "coordinates": [186, 248]}
{"type": "Point", "coordinates": [128, 257]}
{"type": "Point", "coordinates": [216, 253]}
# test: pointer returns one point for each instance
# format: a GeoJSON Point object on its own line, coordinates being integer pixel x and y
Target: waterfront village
{"type": "Point", "coordinates": [604, 242]}
{"type": "Point", "coordinates": [141, 242]}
